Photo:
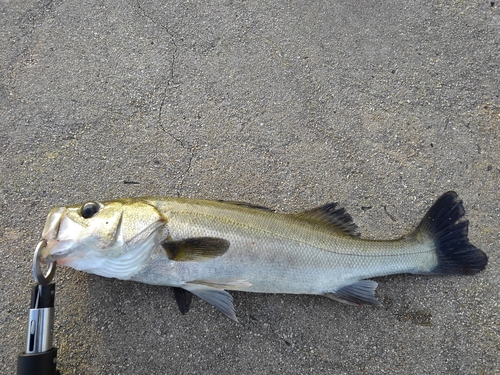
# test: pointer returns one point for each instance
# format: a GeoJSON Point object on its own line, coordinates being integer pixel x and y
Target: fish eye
{"type": "Point", "coordinates": [89, 209]}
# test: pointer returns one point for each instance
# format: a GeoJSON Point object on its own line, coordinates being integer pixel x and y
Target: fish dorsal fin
{"type": "Point", "coordinates": [200, 249]}
{"type": "Point", "coordinates": [245, 204]}
{"type": "Point", "coordinates": [332, 216]}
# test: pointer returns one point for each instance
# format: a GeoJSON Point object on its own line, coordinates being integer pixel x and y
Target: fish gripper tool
{"type": "Point", "coordinates": [39, 357]}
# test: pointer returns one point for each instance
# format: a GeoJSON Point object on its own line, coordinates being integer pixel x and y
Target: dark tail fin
{"type": "Point", "coordinates": [456, 256]}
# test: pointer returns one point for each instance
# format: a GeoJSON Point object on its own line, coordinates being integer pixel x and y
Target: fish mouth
{"type": "Point", "coordinates": [57, 249]}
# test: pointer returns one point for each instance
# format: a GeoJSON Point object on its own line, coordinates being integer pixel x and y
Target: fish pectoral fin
{"type": "Point", "coordinates": [183, 299]}
{"type": "Point", "coordinates": [360, 293]}
{"type": "Point", "coordinates": [332, 216]}
{"type": "Point", "coordinates": [199, 249]}
{"type": "Point", "coordinates": [218, 298]}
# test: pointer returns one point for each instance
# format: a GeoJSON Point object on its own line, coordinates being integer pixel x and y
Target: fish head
{"type": "Point", "coordinates": [111, 239]}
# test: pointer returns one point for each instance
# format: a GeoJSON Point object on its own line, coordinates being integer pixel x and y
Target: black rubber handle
{"type": "Point", "coordinates": [37, 363]}
{"type": "Point", "coordinates": [43, 296]}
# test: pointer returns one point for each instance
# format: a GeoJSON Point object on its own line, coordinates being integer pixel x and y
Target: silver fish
{"type": "Point", "coordinates": [208, 247]}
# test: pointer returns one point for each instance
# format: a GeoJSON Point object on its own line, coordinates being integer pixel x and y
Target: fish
{"type": "Point", "coordinates": [210, 247]}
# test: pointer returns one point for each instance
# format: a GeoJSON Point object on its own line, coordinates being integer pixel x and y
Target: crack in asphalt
{"type": "Point", "coordinates": [156, 23]}
{"type": "Point", "coordinates": [172, 63]}
{"type": "Point", "coordinates": [170, 81]}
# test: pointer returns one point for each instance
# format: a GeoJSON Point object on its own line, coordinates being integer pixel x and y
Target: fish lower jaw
{"type": "Point", "coordinates": [67, 261]}
{"type": "Point", "coordinates": [57, 250]}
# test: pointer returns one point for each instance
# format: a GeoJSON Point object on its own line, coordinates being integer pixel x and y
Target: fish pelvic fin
{"type": "Point", "coordinates": [361, 292]}
{"type": "Point", "coordinates": [443, 224]}
{"type": "Point", "coordinates": [183, 299]}
{"type": "Point", "coordinates": [218, 298]}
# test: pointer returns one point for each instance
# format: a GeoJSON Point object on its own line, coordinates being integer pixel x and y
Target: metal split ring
{"type": "Point", "coordinates": [40, 278]}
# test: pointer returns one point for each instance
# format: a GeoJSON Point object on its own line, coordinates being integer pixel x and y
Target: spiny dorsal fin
{"type": "Point", "coordinates": [245, 204]}
{"type": "Point", "coordinates": [200, 249]}
{"type": "Point", "coordinates": [332, 216]}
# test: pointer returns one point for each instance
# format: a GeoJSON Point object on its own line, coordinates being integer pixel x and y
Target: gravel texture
{"type": "Point", "coordinates": [381, 106]}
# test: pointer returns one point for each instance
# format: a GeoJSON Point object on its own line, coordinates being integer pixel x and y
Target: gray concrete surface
{"type": "Point", "coordinates": [381, 106]}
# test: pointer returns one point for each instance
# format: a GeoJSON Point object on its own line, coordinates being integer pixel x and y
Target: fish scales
{"type": "Point", "coordinates": [286, 249]}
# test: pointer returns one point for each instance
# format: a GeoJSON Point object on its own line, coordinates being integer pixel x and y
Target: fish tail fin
{"type": "Point", "coordinates": [443, 224]}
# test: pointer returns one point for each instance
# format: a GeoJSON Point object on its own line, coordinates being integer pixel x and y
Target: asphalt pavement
{"type": "Point", "coordinates": [380, 106]}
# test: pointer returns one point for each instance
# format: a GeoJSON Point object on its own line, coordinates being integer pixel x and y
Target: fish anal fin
{"type": "Point", "coordinates": [337, 218]}
{"type": "Point", "coordinates": [195, 249]}
{"type": "Point", "coordinates": [218, 298]}
{"type": "Point", "coordinates": [183, 299]}
{"type": "Point", "coordinates": [360, 293]}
